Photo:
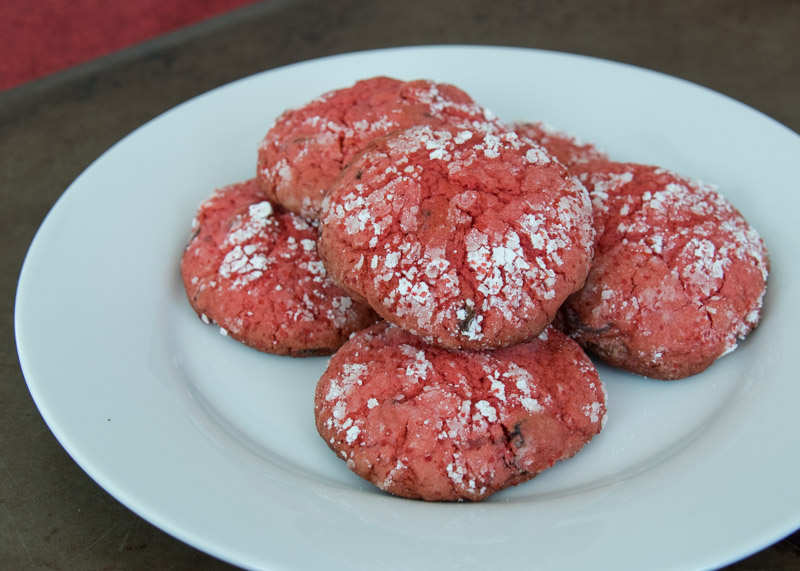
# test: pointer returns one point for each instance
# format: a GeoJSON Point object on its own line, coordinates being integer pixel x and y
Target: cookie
{"type": "Point", "coordinates": [253, 269]}
{"type": "Point", "coordinates": [568, 149]}
{"type": "Point", "coordinates": [470, 240]}
{"type": "Point", "coordinates": [306, 148]}
{"type": "Point", "coordinates": [423, 422]}
{"type": "Point", "coordinates": [678, 276]}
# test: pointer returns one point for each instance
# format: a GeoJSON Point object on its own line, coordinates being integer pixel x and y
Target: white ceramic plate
{"type": "Point", "coordinates": [215, 443]}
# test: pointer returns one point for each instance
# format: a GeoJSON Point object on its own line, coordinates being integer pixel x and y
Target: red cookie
{"type": "Point", "coordinates": [254, 270]}
{"type": "Point", "coordinates": [467, 239]}
{"type": "Point", "coordinates": [423, 422]}
{"type": "Point", "coordinates": [307, 148]}
{"type": "Point", "coordinates": [568, 149]}
{"type": "Point", "coordinates": [678, 274]}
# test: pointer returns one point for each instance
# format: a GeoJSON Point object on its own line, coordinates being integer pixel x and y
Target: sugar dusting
{"type": "Point", "coordinates": [323, 135]}
{"type": "Point", "coordinates": [260, 244]}
{"type": "Point", "coordinates": [690, 228]}
{"type": "Point", "coordinates": [513, 269]}
{"type": "Point", "coordinates": [361, 394]}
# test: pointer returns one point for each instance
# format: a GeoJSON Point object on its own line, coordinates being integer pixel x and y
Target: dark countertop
{"type": "Point", "coordinates": [53, 516]}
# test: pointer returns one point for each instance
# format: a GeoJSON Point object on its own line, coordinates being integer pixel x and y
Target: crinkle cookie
{"type": "Point", "coordinates": [470, 240]}
{"type": "Point", "coordinates": [678, 275]}
{"type": "Point", "coordinates": [307, 148]}
{"type": "Point", "coordinates": [423, 422]}
{"type": "Point", "coordinates": [253, 269]}
{"type": "Point", "coordinates": [569, 149]}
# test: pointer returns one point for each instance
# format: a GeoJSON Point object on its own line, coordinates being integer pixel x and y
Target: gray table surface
{"type": "Point", "coordinates": [52, 515]}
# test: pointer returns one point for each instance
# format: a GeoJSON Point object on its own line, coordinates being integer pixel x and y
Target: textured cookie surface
{"type": "Point", "coordinates": [470, 240]}
{"type": "Point", "coordinates": [568, 149]}
{"type": "Point", "coordinates": [678, 275]}
{"type": "Point", "coordinates": [254, 270]}
{"type": "Point", "coordinates": [307, 147]}
{"type": "Point", "coordinates": [422, 422]}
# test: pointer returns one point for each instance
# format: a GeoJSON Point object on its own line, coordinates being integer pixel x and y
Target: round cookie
{"type": "Point", "coordinates": [568, 149]}
{"type": "Point", "coordinates": [467, 239]}
{"type": "Point", "coordinates": [678, 275]}
{"type": "Point", "coordinates": [423, 422]}
{"type": "Point", "coordinates": [306, 148]}
{"type": "Point", "coordinates": [254, 270]}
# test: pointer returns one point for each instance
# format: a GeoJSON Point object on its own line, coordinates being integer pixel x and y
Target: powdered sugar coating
{"type": "Point", "coordinates": [253, 269]}
{"type": "Point", "coordinates": [423, 422]}
{"type": "Point", "coordinates": [678, 278]}
{"type": "Point", "coordinates": [469, 239]}
{"type": "Point", "coordinates": [307, 148]}
{"type": "Point", "coordinates": [567, 148]}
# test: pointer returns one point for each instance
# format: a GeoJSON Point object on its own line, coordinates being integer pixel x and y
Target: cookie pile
{"type": "Point", "coordinates": [458, 267]}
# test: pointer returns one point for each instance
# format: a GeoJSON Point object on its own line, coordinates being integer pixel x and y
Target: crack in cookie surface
{"type": "Point", "coordinates": [679, 275]}
{"type": "Point", "coordinates": [443, 224]}
{"type": "Point", "coordinates": [421, 421]}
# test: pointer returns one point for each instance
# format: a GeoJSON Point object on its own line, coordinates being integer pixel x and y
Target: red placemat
{"type": "Point", "coordinates": [39, 37]}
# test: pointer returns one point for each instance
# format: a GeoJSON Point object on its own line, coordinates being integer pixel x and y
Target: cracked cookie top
{"type": "Point", "coordinates": [253, 269]}
{"type": "Point", "coordinates": [678, 277]}
{"type": "Point", "coordinates": [469, 239]}
{"type": "Point", "coordinates": [307, 147]}
{"type": "Point", "coordinates": [422, 422]}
